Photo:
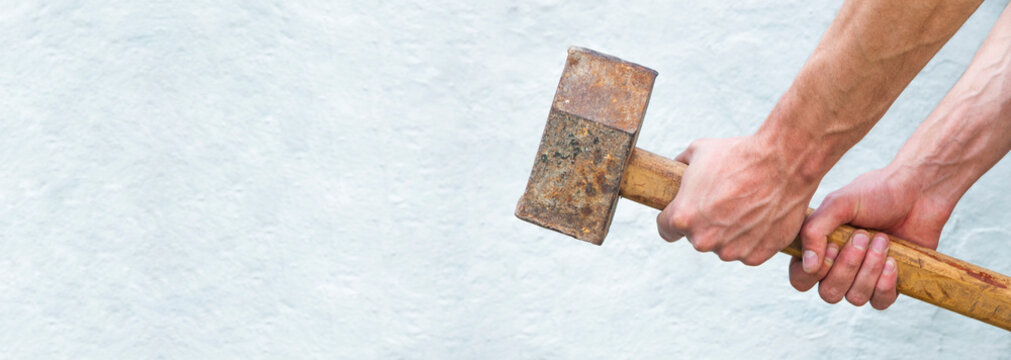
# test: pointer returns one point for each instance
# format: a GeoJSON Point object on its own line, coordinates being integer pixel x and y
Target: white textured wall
{"type": "Point", "coordinates": [314, 179]}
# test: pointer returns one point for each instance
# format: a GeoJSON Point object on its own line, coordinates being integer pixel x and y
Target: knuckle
{"type": "Point", "coordinates": [768, 254]}
{"type": "Point", "coordinates": [799, 283]}
{"type": "Point", "coordinates": [811, 236]}
{"type": "Point", "coordinates": [873, 260]}
{"type": "Point", "coordinates": [754, 259]}
{"type": "Point", "coordinates": [884, 288]}
{"type": "Point", "coordinates": [830, 198]}
{"type": "Point", "coordinates": [735, 252]}
{"type": "Point", "coordinates": [751, 262]}
{"type": "Point", "coordinates": [703, 243]}
{"type": "Point", "coordinates": [665, 231]}
{"type": "Point", "coordinates": [727, 255]}
{"type": "Point", "coordinates": [830, 294]}
{"type": "Point", "coordinates": [670, 237]}
{"type": "Point", "coordinates": [672, 225]}
{"type": "Point", "coordinates": [701, 246]}
{"type": "Point", "coordinates": [808, 233]}
{"type": "Point", "coordinates": [680, 219]}
{"type": "Point", "coordinates": [880, 305]}
{"type": "Point", "coordinates": [852, 262]}
{"type": "Point", "coordinates": [856, 299]}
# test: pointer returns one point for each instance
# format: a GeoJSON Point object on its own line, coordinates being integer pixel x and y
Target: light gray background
{"type": "Point", "coordinates": [313, 179]}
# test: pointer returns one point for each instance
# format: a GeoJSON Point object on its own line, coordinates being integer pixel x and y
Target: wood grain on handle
{"type": "Point", "coordinates": [925, 274]}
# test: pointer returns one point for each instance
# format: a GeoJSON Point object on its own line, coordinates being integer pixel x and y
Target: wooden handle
{"type": "Point", "coordinates": [925, 274]}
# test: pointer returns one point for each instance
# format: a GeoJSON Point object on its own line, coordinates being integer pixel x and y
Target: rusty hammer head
{"type": "Point", "coordinates": [591, 131]}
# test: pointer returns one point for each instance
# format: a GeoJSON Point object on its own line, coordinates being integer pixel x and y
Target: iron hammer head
{"type": "Point", "coordinates": [590, 134]}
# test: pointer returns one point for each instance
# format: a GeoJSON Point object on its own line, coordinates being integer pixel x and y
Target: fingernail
{"type": "Point", "coordinates": [831, 253]}
{"type": "Point", "coordinates": [880, 243]}
{"type": "Point", "coordinates": [860, 241]}
{"type": "Point", "coordinates": [889, 266]}
{"type": "Point", "coordinates": [810, 261]}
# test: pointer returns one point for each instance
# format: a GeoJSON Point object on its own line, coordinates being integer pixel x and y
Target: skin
{"type": "Point", "coordinates": [914, 195]}
{"type": "Point", "coordinates": [745, 198]}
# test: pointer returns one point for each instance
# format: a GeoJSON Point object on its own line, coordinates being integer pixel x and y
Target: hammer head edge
{"type": "Point", "coordinates": [589, 136]}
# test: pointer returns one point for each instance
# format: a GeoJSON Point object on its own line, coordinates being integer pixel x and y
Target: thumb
{"type": "Point", "coordinates": [835, 210]}
{"type": "Point", "coordinates": [686, 156]}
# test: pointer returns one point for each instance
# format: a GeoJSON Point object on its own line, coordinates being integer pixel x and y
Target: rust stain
{"type": "Point", "coordinates": [604, 89]}
{"type": "Point", "coordinates": [594, 120]}
{"type": "Point", "coordinates": [573, 186]}
{"type": "Point", "coordinates": [979, 275]}
{"type": "Point", "coordinates": [984, 277]}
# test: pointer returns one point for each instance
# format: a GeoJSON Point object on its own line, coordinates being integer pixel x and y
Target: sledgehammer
{"type": "Point", "coordinates": [587, 158]}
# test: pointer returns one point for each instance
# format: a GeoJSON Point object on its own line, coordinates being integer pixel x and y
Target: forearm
{"type": "Point", "coordinates": [870, 52]}
{"type": "Point", "coordinates": [970, 130]}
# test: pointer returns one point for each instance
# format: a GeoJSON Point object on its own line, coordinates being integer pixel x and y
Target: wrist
{"type": "Point", "coordinates": [797, 164]}
{"type": "Point", "coordinates": [928, 181]}
{"type": "Point", "coordinates": [788, 133]}
{"type": "Point", "coordinates": [821, 115]}
{"type": "Point", "coordinates": [950, 150]}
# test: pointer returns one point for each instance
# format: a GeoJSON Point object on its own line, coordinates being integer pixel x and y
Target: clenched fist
{"type": "Point", "coordinates": [740, 198]}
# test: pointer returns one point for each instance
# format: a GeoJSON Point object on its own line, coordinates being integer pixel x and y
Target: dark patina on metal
{"type": "Point", "coordinates": [590, 133]}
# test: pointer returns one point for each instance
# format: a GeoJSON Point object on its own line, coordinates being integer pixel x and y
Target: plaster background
{"type": "Point", "coordinates": [315, 179]}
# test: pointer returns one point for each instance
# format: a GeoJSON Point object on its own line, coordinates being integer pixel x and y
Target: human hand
{"type": "Point", "coordinates": [890, 200]}
{"type": "Point", "coordinates": [739, 198]}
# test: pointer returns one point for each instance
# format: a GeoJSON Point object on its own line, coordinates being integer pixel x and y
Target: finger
{"type": "Point", "coordinates": [747, 252]}
{"type": "Point", "coordinates": [884, 291]}
{"type": "Point", "coordinates": [803, 281]}
{"type": "Point", "coordinates": [863, 286]}
{"type": "Point", "coordinates": [837, 209]}
{"type": "Point", "coordinates": [669, 224]}
{"type": "Point", "coordinates": [757, 256]}
{"type": "Point", "coordinates": [844, 270]}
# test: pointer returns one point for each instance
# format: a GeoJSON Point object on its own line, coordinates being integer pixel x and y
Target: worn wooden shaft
{"type": "Point", "coordinates": [925, 274]}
